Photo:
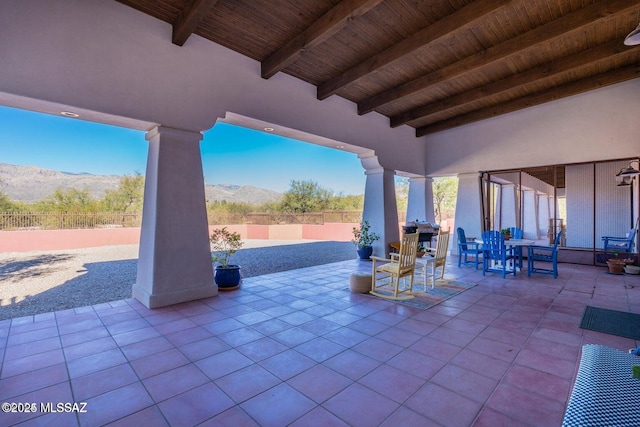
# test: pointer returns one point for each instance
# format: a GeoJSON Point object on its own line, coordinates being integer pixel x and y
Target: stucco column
{"type": "Point", "coordinates": [174, 263]}
{"type": "Point", "coordinates": [420, 201]}
{"type": "Point", "coordinates": [380, 207]}
{"type": "Point", "coordinates": [468, 208]}
{"type": "Point", "coordinates": [509, 206]}
{"type": "Point", "coordinates": [531, 216]}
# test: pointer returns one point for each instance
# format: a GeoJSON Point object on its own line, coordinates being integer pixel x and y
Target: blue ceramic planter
{"type": "Point", "coordinates": [365, 252]}
{"type": "Point", "coordinates": [228, 277]}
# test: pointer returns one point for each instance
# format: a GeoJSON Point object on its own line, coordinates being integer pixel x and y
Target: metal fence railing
{"type": "Point", "coordinates": [67, 220]}
{"type": "Point", "coordinates": [274, 218]}
{"type": "Point", "coordinates": [75, 220]}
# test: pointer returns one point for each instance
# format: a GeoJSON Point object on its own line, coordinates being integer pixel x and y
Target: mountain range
{"type": "Point", "coordinates": [31, 183]}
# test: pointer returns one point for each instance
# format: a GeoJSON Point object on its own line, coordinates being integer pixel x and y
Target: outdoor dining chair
{"type": "Point", "coordinates": [517, 233]}
{"type": "Point", "coordinates": [467, 247]}
{"type": "Point", "coordinates": [547, 254]}
{"type": "Point", "coordinates": [496, 257]}
{"type": "Point", "coordinates": [620, 244]}
{"type": "Point", "coordinates": [395, 268]}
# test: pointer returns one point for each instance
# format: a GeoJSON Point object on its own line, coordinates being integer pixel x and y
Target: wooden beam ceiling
{"type": "Point", "coordinates": [437, 31]}
{"type": "Point", "coordinates": [189, 19]}
{"type": "Point", "coordinates": [322, 29]}
{"type": "Point", "coordinates": [526, 41]}
{"type": "Point", "coordinates": [544, 71]}
{"type": "Point", "coordinates": [432, 65]}
{"type": "Point", "coordinates": [590, 83]}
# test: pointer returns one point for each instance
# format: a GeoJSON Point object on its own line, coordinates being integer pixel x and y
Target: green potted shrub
{"type": "Point", "coordinates": [363, 239]}
{"type": "Point", "coordinates": [224, 244]}
{"type": "Point", "coordinates": [507, 233]}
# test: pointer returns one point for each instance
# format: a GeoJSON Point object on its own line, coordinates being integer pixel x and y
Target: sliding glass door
{"type": "Point", "coordinates": [584, 201]}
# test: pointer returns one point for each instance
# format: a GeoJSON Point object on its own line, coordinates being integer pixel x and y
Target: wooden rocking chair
{"type": "Point", "coordinates": [400, 265]}
{"type": "Point", "coordinates": [435, 258]}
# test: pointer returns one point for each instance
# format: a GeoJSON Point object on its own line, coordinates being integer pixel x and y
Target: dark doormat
{"type": "Point", "coordinates": [611, 322]}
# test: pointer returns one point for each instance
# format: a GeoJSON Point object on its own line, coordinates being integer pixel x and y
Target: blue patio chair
{"type": "Point", "coordinates": [544, 254]}
{"type": "Point", "coordinates": [620, 244]}
{"type": "Point", "coordinates": [466, 248]}
{"type": "Point", "coordinates": [517, 233]}
{"type": "Point", "coordinates": [496, 257]}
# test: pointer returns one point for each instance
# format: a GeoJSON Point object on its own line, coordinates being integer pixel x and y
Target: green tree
{"type": "Point", "coordinates": [445, 193]}
{"type": "Point", "coordinates": [402, 193]}
{"type": "Point", "coordinates": [6, 205]}
{"type": "Point", "coordinates": [128, 196]}
{"type": "Point", "coordinates": [305, 196]}
{"type": "Point", "coordinates": [346, 203]}
{"type": "Point", "coordinates": [70, 200]}
{"type": "Point", "coordinates": [232, 207]}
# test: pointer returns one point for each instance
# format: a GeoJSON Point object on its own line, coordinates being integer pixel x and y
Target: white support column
{"type": "Point", "coordinates": [174, 263]}
{"type": "Point", "coordinates": [468, 208]}
{"type": "Point", "coordinates": [420, 203]}
{"type": "Point", "coordinates": [509, 208]}
{"type": "Point", "coordinates": [544, 214]}
{"type": "Point", "coordinates": [530, 214]}
{"type": "Point", "coordinates": [380, 207]}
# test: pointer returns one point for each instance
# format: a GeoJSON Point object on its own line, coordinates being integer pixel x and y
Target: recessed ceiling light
{"type": "Point", "coordinates": [340, 146]}
{"type": "Point", "coordinates": [69, 114]}
{"type": "Point", "coordinates": [269, 129]}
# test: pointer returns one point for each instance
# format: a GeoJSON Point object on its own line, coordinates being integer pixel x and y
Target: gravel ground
{"type": "Point", "coordinates": [45, 281]}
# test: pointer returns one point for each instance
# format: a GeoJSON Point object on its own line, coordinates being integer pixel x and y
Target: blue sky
{"type": "Point", "coordinates": [230, 154]}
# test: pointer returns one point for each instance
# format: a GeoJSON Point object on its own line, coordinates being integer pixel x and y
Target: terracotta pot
{"type": "Point", "coordinates": [616, 266]}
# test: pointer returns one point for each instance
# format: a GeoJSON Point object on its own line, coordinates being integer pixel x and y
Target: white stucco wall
{"type": "Point", "coordinates": [603, 124]}
{"type": "Point", "coordinates": [109, 61]}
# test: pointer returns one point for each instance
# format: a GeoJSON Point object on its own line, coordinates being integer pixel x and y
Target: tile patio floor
{"type": "Point", "coordinates": [297, 348]}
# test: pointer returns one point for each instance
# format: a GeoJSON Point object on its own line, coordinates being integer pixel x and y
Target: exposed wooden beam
{"type": "Point", "coordinates": [436, 31]}
{"type": "Point", "coordinates": [322, 29]}
{"type": "Point", "coordinates": [609, 50]}
{"type": "Point", "coordinates": [187, 23]}
{"type": "Point", "coordinates": [572, 22]}
{"type": "Point", "coordinates": [552, 94]}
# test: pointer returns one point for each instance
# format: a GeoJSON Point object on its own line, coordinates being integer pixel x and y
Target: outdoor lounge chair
{"type": "Point", "coordinates": [620, 244]}
{"type": "Point", "coordinates": [517, 233]}
{"type": "Point", "coordinates": [433, 259]}
{"type": "Point", "coordinates": [395, 268]}
{"type": "Point", "coordinates": [496, 257]}
{"type": "Point", "coordinates": [468, 247]}
{"type": "Point", "coordinates": [544, 254]}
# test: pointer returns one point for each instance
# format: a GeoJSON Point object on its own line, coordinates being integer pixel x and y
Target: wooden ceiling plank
{"type": "Point", "coordinates": [322, 29]}
{"type": "Point", "coordinates": [190, 17]}
{"type": "Point", "coordinates": [584, 85]}
{"type": "Point", "coordinates": [436, 31]}
{"type": "Point", "coordinates": [558, 27]}
{"type": "Point", "coordinates": [577, 60]}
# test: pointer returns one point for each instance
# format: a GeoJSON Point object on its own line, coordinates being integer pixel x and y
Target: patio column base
{"type": "Point", "coordinates": [173, 297]}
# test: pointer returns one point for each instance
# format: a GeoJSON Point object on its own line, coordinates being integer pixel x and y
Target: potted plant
{"type": "Point", "coordinates": [617, 262]}
{"type": "Point", "coordinates": [363, 239]}
{"type": "Point", "coordinates": [420, 251]}
{"type": "Point", "coordinates": [507, 233]}
{"type": "Point", "coordinates": [616, 266]}
{"type": "Point", "coordinates": [224, 244]}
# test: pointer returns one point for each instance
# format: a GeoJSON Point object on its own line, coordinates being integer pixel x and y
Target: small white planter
{"type": "Point", "coordinates": [632, 269]}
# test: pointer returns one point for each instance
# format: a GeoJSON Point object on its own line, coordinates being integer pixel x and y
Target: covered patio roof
{"type": "Point", "coordinates": [430, 65]}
